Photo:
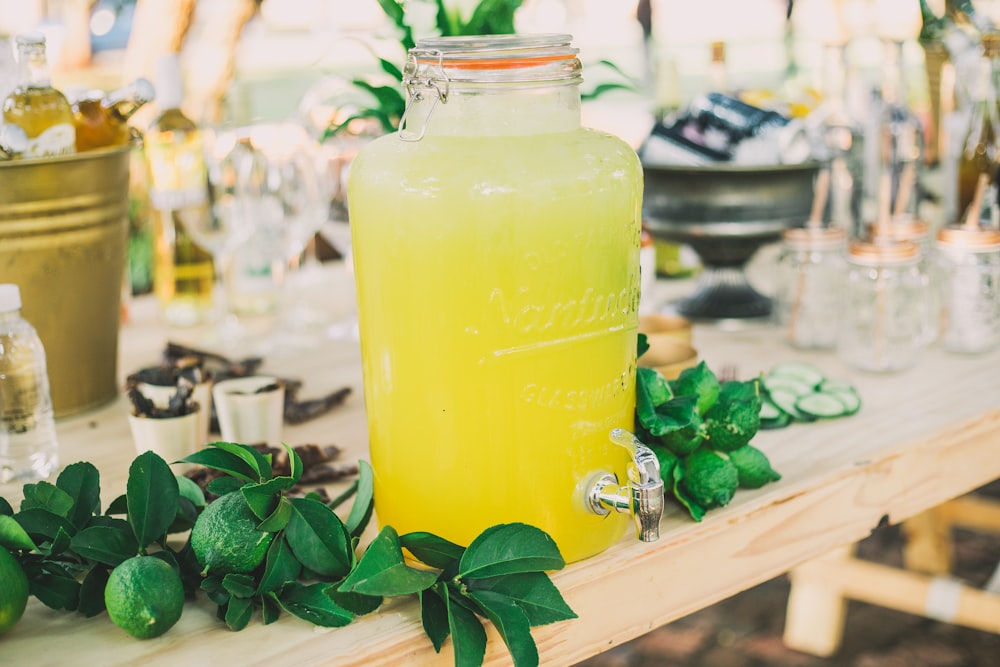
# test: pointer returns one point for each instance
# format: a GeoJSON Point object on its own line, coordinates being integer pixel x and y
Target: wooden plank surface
{"type": "Point", "coordinates": [922, 436]}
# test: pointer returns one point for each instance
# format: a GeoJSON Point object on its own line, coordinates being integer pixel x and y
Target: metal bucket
{"type": "Point", "coordinates": [63, 231]}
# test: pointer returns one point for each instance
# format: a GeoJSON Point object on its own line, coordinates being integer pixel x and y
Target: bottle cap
{"type": "Point", "coordinates": [10, 298]}
{"type": "Point", "coordinates": [169, 82]}
{"type": "Point", "coordinates": [883, 253]}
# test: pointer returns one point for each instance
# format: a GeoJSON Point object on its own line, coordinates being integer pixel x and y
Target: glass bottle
{"type": "Point", "coordinates": [184, 274]}
{"type": "Point", "coordinates": [894, 145]}
{"type": "Point", "coordinates": [13, 141]}
{"type": "Point", "coordinates": [809, 285]}
{"type": "Point", "coordinates": [980, 154]}
{"type": "Point", "coordinates": [967, 280]}
{"type": "Point", "coordinates": [718, 72]}
{"type": "Point", "coordinates": [496, 253]}
{"type": "Point", "coordinates": [29, 450]}
{"type": "Point", "coordinates": [886, 296]}
{"type": "Point", "coordinates": [102, 121]}
{"type": "Point", "coordinates": [39, 109]}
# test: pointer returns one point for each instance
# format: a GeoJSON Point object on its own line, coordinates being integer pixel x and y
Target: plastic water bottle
{"type": "Point", "coordinates": [29, 450]}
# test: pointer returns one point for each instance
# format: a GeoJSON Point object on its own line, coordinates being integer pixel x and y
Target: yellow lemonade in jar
{"type": "Point", "coordinates": [498, 283]}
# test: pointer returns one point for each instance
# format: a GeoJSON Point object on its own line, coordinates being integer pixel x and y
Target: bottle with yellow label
{"type": "Point", "coordinates": [40, 110]}
{"type": "Point", "coordinates": [184, 274]}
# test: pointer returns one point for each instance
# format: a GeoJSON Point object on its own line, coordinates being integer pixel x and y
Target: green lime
{"type": "Point", "coordinates": [753, 468]}
{"type": "Point", "coordinates": [710, 478]}
{"type": "Point", "coordinates": [13, 591]}
{"type": "Point", "coordinates": [225, 538]}
{"type": "Point", "coordinates": [144, 596]}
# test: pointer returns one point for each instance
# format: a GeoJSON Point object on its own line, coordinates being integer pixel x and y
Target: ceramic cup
{"type": "Point", "coordinates": [202, 394]}
{"type": "Point", "coordinates": [172, 438]}
{"type": "Point", "coordinates": [247, 416]}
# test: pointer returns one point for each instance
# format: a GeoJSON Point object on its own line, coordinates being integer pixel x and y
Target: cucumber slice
{"type": "Point", "coordinates": [768, 410]}
{"type": "Point", "coordinates": [786, 382]}
{"type": "Point", "coordinates": [800, 370]}
{"type": "Point", "coordinates": [781, 421]}
{"type": "Point", "coordinates": [850, 399]}
{"type": "Point", "coordinates": [821, 405]}
{"type": "Point", "coordinates": [831, 386]}
{"type": "Point", "coordinates": [787, 403]}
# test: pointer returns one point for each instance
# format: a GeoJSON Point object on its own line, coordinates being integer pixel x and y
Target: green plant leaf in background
{"type": "Point", "coordinates": [153, 495]}
{"type": "Point", "coordinates": [311, 603]}
{"type": "Point", "coordinates": [467, 634]}
{"type": "Point", "coordinates": [105, 544]}
{"type": "Point", "coordinates": [259, 463]}
{"type": "Point", "coordinates": [508, 549]}
{"type": "Point", "coordinates": [47, 496]}
{"type": "Point", "coordinates": [92, 592]}
{"type": "Point", "coordinates": [361, 511]}
{"type": "Point", "coordinates": [223, 461]}
{"type": "Point", "coordinates": [280, 567]}
{"type": "Point", "coordinates": [434, 616]}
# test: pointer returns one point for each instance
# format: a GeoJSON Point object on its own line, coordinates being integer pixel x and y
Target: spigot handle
{"type": "Point", "coordinates": [642, 496]}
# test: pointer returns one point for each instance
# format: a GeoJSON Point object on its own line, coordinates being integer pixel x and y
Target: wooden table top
{"type": "Point", "coordinates": [922, 436]}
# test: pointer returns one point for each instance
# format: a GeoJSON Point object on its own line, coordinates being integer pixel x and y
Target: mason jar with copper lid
{"type": "Point", "coordinates": [886, 301]}
{"type": "Point", "coordinates": [809, 285]}
{"type": "Point", "coordinates": [967, 280]}
{"type": "Point", "coordinates": [496, 251]}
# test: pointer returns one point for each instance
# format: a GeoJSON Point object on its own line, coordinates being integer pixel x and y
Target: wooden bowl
{"type": "Point", "coordinates": [668, 355]}
{"type": "Point", "coordinates": [671, 326]}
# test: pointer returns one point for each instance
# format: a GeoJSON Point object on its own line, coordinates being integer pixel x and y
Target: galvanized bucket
{"type": "Point", "coordinates": [63, 231]}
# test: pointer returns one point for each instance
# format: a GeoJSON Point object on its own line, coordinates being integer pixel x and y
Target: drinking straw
{"type": "Point", "coordinates": [972, 213]}
{"type": "Point", "coordinates": [815, 221]}
{"type": "Point", "coordinates": [907, 182]}
{"type": "Point", "coordinates": [882, 222]}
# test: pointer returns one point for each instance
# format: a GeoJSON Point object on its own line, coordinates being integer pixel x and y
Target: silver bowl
{"type": "Point", "coordinates": [726, 213]}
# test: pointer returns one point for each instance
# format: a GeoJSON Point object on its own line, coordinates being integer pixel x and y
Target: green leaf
{"type": "Point", "coordinates": [239, 611]}
{"type": "Point", "coordinates": [431, 549]}
{"type": "Point", "coordinates": [92, 592]}
{"type": "Point", "coordinates": [82, 483]}
{"type": "Point", "coordinates": [492, 17]}
{"type": "Point", "coordinates": [118, 506]}
{"type": "Point", "coordinates": [270, 609]}
{"type": "Point", "coordinates": [344, 495]}
{"type": "Point", "coordinates": [701, 382]}
{"type": "Point", "coordinates": [295, 467]}
{"type": "Point", "coordinates": [215, 591]}
{"type": "Point", "coordinates": [651, 390]}
{"type": "Point", "coordinates": [13, 536]}
{"type": "Point", "coordinates": [59, 544]}
{"type": "Point", "coordinates": [278, 519]}
{"type": "Point", "coordinates": [55, 589]}
{"type": "Point", "coordinates": [361, 511]}
{"type": "Point", "coordinates": [642, 344]}
{"type": "Point", "coordinates": [467, 634]}
{"type": "Point", "coordinates": [153, 495]}
{"type": "Point", "coordinates": [280, 567]}
{"type": "Point", "coordinates": [104, 544]}
{"type": "Point", "coordinates": [190, 490]}
{"type": "Point", "coordinates": [434, 616]}
{"type": "Point", "coordinates": [239, 585]}
{"type": "Point", "coordinates": [48, 497]}
{"type": "Point", "coordinates": [512, 624]}
{"type": "Point", "coordinates": [259, 463]}
{"type": "Point", "coordinates": [223, 461]}
{"type": "Point", "coordinates": [40, 522]}
{"type": "Point", "coordinates": [263, 498]}
{"type": "Point", "coordinates": [381, 570]}
{"type": "Point", "coordinates": [696, 511]}
{"type": "Point", "coordinates": [603, 88]}
{"type": "Point", "coordinates": [318, 538]}
{"type": "Point", "coordinates": [5, 508]}
{"type": "Point", "coordinates": [390, 68]}
{"type": "Point", "coordinates": [533, 592]}
{"type": "Point", "coordinates": [356, 603]}
{"type": "Point", "coordinates": [221, 486]}
{"type": "Point", "coordinates": [508, 549]}
{"type": "Point", "coordinates": [311, 603]}
{"type": "Point", "coordinates": [389, 98]}
{"type": "Point", "coordinates": [187, 514]}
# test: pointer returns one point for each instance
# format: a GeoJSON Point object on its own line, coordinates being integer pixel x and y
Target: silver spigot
{"type": "Point", "coordinates": [642, 496]}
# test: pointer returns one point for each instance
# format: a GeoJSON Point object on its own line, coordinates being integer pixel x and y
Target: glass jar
{"type": "Point", "coordinates": [905, 228]}
{"type": "Point", "coordinates": [496, 250]}
{"type": "Point", "coordinates": [809, 285]}
{"type": "Point", "coordinates": [886, 299]}
{"type": "Point", "coordinates": [967, 279]}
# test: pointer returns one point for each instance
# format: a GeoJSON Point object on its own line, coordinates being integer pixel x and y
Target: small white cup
{"type": "Point", "coordinates": [246, 417]}
{"type": "Point", "coordinates": [172, 438]}
{"type": "Point", "coordinates": [160, 395]}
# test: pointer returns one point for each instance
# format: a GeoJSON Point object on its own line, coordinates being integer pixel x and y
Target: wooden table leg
{"type": "Point", "coordinates": [928, 546]}
{"type": "Point", "coordinates": [814, 621]}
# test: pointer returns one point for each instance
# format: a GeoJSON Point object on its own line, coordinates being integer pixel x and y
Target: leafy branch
{"type": "Point", "coordinates": [308, 565]}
